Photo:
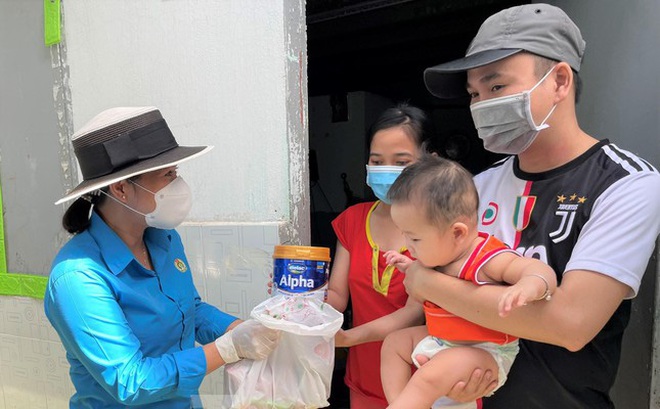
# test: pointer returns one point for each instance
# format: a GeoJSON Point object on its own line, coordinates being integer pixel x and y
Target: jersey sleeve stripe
{"type": "Point", "coordinates": [647, 163]}
{"type": "Point", "coordinates": [633, 160]}
{"type": "Point", "coordinates": [619, 158]}
{"type": "Point", "coordinates": [646, 166]}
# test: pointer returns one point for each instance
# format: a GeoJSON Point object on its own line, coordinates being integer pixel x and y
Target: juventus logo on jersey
{"type": "Point", "coordinates": [566, 208]}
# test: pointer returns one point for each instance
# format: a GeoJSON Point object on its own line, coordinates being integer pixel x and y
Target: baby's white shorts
{"type": "Point", "coordinates": [503, 355]}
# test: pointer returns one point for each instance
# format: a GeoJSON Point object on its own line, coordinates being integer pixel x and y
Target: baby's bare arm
{"type": "Point", "coordinates": [531, 280]}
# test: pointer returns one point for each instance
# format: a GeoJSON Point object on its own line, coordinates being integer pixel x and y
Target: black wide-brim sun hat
{"type": "Point", "coordinates": [123, 142]}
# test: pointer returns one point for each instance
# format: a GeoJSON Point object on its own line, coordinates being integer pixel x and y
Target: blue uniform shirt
{"type": "Point", "coordinates": [130, 332]}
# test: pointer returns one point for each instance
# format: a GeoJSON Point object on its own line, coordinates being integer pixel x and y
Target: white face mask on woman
{"type": "Point", "coordinates": [506, 124]}
{"type": "Point", "coordinates": [173, 203]}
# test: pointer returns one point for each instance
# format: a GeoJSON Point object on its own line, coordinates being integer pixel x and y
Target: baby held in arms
{"type": "Point", "coordinates": [434, 203]}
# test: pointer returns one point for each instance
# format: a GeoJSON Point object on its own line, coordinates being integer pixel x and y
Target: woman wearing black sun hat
{"type": "Point", "coordinates": [120, 294]}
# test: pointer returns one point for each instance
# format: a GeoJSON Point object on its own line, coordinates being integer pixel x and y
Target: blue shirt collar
{"type": "Point", "coordinates": [115, 252]}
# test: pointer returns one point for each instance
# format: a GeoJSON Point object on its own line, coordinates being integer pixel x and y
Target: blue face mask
{"type": "Point", "coordinates": [381, 178]}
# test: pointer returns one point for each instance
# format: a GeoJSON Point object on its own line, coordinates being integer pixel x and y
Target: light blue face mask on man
{"type": "Point", "coordinates": [381, 178]}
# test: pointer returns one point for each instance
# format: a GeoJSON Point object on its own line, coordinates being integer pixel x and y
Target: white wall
{"type": "Point", "coordinates": [29, 141]}
{"type": "Point", "coordinates": [217, 71]}
{"type": "Point", "coordinates": [228, 73]}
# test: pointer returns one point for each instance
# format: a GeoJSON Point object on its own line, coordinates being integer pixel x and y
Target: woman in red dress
{"type": "Point", "coordinates": [365, 232]}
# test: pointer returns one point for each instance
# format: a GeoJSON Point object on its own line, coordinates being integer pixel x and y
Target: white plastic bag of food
{"type": "Point", "coordinates": [298, 373]}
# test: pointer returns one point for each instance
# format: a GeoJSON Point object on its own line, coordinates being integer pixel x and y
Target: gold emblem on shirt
{"type": "Point", "coordinates": [180, 265]}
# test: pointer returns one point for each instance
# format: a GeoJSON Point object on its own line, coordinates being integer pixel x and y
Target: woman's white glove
{"type": "Point", "coordinates": [249, 339]}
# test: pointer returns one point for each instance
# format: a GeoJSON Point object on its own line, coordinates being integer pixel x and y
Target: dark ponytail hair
{"type": "Point", "coordinates": [412, 119]}
{"type": "Point", "coordinates": [76, 218]}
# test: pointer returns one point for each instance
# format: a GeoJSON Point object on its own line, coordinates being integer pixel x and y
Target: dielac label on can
{"type": "Point", "coordinates": [301, 276]}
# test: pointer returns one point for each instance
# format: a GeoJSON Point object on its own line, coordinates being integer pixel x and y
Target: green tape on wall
{"type": "Point", "coordinates": [52, 22]}
{"type": "Point", "coordinates": [22, 285]}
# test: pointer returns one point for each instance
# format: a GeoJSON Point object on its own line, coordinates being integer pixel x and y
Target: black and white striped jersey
{"type": "Point", "coordinates": [599, 212]}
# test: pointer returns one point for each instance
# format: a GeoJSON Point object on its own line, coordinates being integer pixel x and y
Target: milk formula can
{"type": "Point", "coordinates": [301, 271]}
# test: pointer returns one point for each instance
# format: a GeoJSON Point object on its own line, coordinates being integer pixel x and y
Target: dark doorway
{"type": "Point", "coordinates": [367, 55]}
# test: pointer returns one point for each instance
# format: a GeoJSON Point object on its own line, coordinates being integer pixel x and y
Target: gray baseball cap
{"type": "Point", "coordinates": [538, 28]}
